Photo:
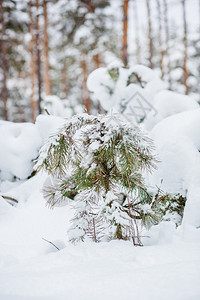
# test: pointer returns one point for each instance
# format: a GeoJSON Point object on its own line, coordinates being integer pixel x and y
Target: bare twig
{"type": "Point", "coordinates": [46, 111]}
{"type": "Point", "coordinates": [9, 198]}
{"type": "Point", "coordinates": [51, 244]}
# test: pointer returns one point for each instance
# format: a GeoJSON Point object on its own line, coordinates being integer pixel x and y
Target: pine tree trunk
{"type": "Point", "coordinates": [137, 35]}
{"type": "Point", "coordinates": [97, 64]}
{"type": "Point", "coordinates": [47, 84]}
{"type": "Point", "coordinates": [64, 79]}
{"type": "Point", "coordinates": [185, 42]}
{"type": "Point", "coordinates": [150, 34]}
{"type": "Point", "coordinates": [32, 64]}
{"type": "Point", "coordinates": [160, 38]}
{"type": "Point", "coordinates": [167, 42]}
{"type": "Point", "coordinates": [91, 7]}
{"type": "Point", "coordinates": [125, 33]}
{"type": "Point", "coordinates": [21, 114]}
{"type": "Point", "coordinates": [38, 60]}
{"type": "Point", "coordinates": [85, 93]}
{"type": "Point", "coordinates": [97, 61]}
{"type": "Point", "coordinates": [4, 62]}
{"type": "Point", "coordinates": [118, 232]}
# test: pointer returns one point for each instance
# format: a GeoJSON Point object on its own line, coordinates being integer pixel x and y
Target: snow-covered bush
{"type": "Point", "coordinates": [137, 93]}
{"type": "Point", "coordinates": [100, 161]}
{"type": "Point", "coordinates": [129, 91]}
{"type": "Point", "coordinates": [169, 206]}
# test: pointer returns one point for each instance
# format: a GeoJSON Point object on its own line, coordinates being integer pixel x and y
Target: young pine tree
{"type": "Point", "coordinates": [100, 160]}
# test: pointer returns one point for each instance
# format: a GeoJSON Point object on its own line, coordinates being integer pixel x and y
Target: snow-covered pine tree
{"type": "Point", "coordinates": [100, 159]}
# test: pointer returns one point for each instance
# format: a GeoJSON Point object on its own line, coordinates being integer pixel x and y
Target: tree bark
{"type": "Point", "coordinates": [150, 34]}
{"type": "Point", "coordinates": [167, 43]}
{"type": "Point", "coordinates": [4, 62]}
{"type": "Point", "coordinates": [125, 33]}
{"type": "Point", "coordinates": [38, 60]}
{"type": "Point", "coordinates": [47, 84]}
{"type": "Point", "coordinates": [185, 42]}
{"type": "Point", "coordinates": [32, 64]}
{"type": "Point", "coordinates": [97, 61]}
{"type": "Point", "coordinates": [137, 35]}
{"type": "Point", "coordinates": [85, 93]}
{"type": "Point", "coordinates": [97, 64]}
{"type": "Point", "coordinates": [91, 6]}
{"type": "Point", "coordinates": [64, 79]}
{"type": "Point", "coordinates": [160, 38]}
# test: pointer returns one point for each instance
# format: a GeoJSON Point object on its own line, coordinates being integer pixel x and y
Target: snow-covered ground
{"type": "Point", "coordinates": [167, 267]}
{"type": "Point", "coordinates": [114, 270]}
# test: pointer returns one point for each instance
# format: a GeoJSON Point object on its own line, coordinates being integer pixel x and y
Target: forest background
{"type": "Point", "coordinates": [50, 48]}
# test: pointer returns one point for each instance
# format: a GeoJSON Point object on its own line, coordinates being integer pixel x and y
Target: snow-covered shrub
{"type": "Point", "coordinates": [100, 160]}
{"type": "Point", "coordinates": [137, 93]}
{"type": "Point", "coordinates": [128, 90]}
{"type": "Point", "coordinates": [169, 206]}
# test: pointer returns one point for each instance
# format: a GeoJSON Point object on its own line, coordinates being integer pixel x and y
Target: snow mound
{"type": "Point", "coordinates": [48, 125]}
{"type": "Point", "coordinates": [5, 208]}
{"type": "Point", "coordinates": [114, 84]}
{"type": "Point", "coordinates": [57, 107]}
{"type": "Point", "coordinates": [168, 103]}
{"type": "Point", "coordinates": [177, 141]}
{"type": "Point", "coordinates": [20, 143]}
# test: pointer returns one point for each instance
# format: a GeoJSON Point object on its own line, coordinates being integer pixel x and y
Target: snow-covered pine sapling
{"type": "Point", "coordinates": [101, 160]}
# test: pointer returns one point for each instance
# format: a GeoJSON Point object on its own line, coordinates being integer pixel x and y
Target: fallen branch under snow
{"type": "Point", "coordinates": [9, 198]}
